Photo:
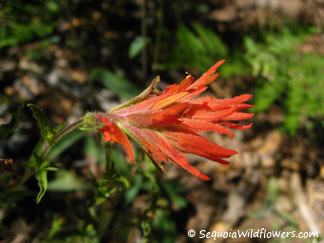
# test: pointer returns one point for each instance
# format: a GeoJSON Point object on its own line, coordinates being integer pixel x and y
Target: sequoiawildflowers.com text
{"type": "Point", "coordinates": [262, 233]}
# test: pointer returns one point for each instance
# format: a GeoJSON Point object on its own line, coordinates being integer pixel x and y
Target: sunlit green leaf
{"type": "Point", "coordinates": [66, 181]}
{"type": "Point", "coordinates": [41, 176]}
{"type": "Point", "coordinates": [116, 83]}
{"type": "Point", "coordinates": [65, 143]}
{"type": "Point", "coordinates": [136, 46]}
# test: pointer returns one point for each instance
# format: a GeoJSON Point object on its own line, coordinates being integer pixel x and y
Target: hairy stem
{"type": "Point", "coordinates": [61, 134]}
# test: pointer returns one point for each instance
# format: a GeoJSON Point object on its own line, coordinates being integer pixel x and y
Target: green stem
{"type": "Point", "coordinates": [109, 165]}
{"type": "Point", "coordinates": [47, 148]}
{"type": "Point", "coordinates": [60, 135]}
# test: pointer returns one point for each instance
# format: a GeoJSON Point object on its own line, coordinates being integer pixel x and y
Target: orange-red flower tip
{"type": "Point", "coordinates": [166, 124]}
{"type": "Point", "coordinates": [112, 133]}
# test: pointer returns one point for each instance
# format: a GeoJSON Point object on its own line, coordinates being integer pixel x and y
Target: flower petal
{"type": "Point", "coordinates": [169, 100]}
{"type": "Point", "coordinates": [190, 142]}
{"type": "Point", "coordinates": [235, 126]}
{"type": "Point", "coordinates": [173, 89]}
{"type": "Point", "coordinates": [158, 118]}
{"type": "Point", "coordinates": [213, 116]}
{"type": "Point", "coordinates": [168, 148]}
{"type": "Point", "coordinates": [204, 126]}
{"type": "Point", "coordinates": [207, 77]}
{"type": "Point", "coordinates": [111, 132]}
{"type": "Point", "coordinates": [222, 103]}
{"type": "Point", "coordinates": [143, 137]}
{"type": "Point", "coordinates": [238, 116]}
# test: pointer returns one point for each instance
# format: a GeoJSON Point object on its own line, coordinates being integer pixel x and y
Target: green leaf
{"type": "Point", "coordinates": [136, 185]}
{"type": "Point", "coordinates": [123, 180]}
{"type": "Point", "coordinates": [150, 90]}
{"type": "Point", "coordinates": [121, 166]}
{"type": "Point", "coordinates": [174, 190]}
{"type": "Point", "coordinates": [40, 166]}
{"type": "Point", "coordinates": [41, 169]}
{"type": "Point", "coordinates": [36, 153]}
{"type": "Point", "coordinates": [64, 143]}
{"type": "Point", "coordinates": [93, 149]}
{"type": "Point", "coordinates": [116, 83]}
{"type": "Point", "coordinates": [273, 192]}
{"type": "Point", "coordinates": [59, 127]}
{"type": "Point", "coordinates": [6, 129]}
{"type": "Point", "coordinates": [66, 181]}
{"type": "Point", "coordinates": [56, 227]}
{"type": "Point", "coordinates": [136, 46]}
{"type": "Point", "coordinates": [199, 49]}
{"type": "Point", "coordinates": [164, 223]}
{"type": "Point", "coordinates": [41, 176]}
{"type": "Point", "coordinates": [44, 124]}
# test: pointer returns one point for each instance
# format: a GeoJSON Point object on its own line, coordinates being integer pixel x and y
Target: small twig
{"type": "Point", "coordinates": [158, 35]}
{"type": "Point", "coordinates": [144, 36]}
{"type": "Point", "coordinates": [7, 164]}
{"type": "Point", "coordinates": [6, 161]}
{"type": "Point", "coordinates": [301, 202]}
{"type": "Point", "coordinates": [46, 149]}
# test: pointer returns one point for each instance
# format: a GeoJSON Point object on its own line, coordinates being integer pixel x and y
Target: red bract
{"type": "Point", "coordinates": [165, 124]}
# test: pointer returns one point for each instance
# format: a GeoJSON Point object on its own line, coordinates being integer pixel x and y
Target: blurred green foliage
{"type": "Point", "coordinates": [24, 21]}
{"type": "Point", "coordinates": [283, 74]}
{"type": "Point", "coordinates": [116, 83]}
{"type": "Point", "coordinates": [287, 76]}
{"type": "Point", "coordinates": [200, 48]}
{"type": "Point", "coordinates": [136, 46]}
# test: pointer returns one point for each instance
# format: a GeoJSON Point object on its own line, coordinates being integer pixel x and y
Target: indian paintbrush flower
{"type": "Point", "coordinates": [165, 124]}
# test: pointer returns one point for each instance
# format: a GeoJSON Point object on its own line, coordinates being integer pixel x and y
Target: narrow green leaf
{"type": "Point", "coordinates": [93, 149]}
{"type": "Point", "coordinates": [59, 127]}
{"type": "Point", "coordinates": [146, 93]}
{"type": "Point", "coordinates": [41, 176]}
{"type": "Point", "coordinates": [136, 185]}
{"type": "Point", "coordinates": [174, 190]}
{"type": "Point", "coordinates": [64, 143]}
{"type": "Point", "coordinates": [36, 153]}
{"type": "Point", "coordinates": [136, 46]}
{"type": "Point", "coordinates": [6, 129]}
{"type": "Point", "coordinates": [66, 181]}
{"type": "Point", "coordinates": [43, 122]}
{"type": "Point", "coordinates": [123, 180]}
{"type": "Point", "coordinates": [117, 84]}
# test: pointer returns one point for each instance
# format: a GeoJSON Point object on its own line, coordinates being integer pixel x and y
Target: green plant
{"type": "Point", "coordinates": [22, 21]}
{"type": "Point", "coordinates": [199, 48]}
{"type": "Point", "coordinates": [288, 77]}
{"type": "Point", "coordinates": [164, 123]}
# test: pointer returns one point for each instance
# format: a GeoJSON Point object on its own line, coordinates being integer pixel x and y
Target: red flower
{"type": "Point", "coordinates": [165, 124]}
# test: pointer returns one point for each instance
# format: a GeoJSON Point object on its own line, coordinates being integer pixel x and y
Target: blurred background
{"type": "Point", "coordinates": [71, 56]}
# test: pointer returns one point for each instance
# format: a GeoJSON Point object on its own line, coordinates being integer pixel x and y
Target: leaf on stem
{"type": "Point", "coordinates": [43, 123]}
